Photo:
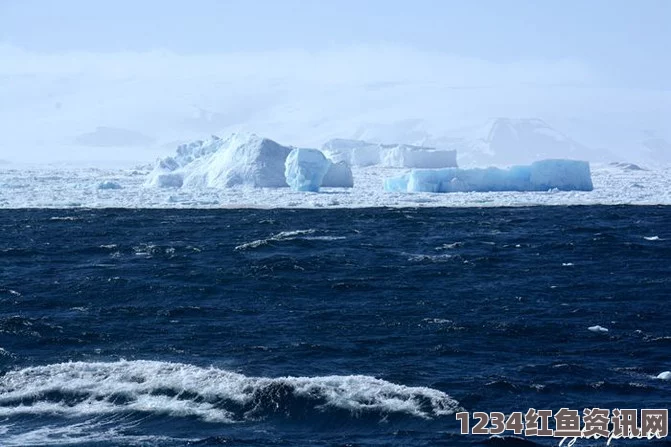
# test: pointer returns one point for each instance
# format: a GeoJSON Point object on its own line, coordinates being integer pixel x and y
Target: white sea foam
{"type": "Point", "coordinates": [81, 433]}
{"type": "Point", "coordinates": [428, 258]}
{"type": "Point", "coordinates": [651, 238]}
{"type": "Point", "coordinates": [666, 375]}
{"type": "Point", "coordinates": [597, 329]}
{"type": "Point", "coordinates": [66, 218]}
{"type": "Point", "coordinates": [288, 236]}
{"type": "Point", "coordinates": [210, 394]}
{"type": "Point", "coordinates": [11, 292]}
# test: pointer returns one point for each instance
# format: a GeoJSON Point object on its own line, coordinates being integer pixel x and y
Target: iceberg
{"type": "Point", "coordinates": [339, 175]}
{"type": "Point", "coordinates": [353, 152]}
{"type": "Point", "coordinates": [249, 160]}
{"type": "Point", "coordinates": [305, 169]}
{"type": "Point", "coordinates": [565, 175]}
{"type": "Point", "coordinates": [163, 179]}
{"type": "Point", "coordinates": [362, 153]}
{"type": "Point", "coordinates": [241, 159]}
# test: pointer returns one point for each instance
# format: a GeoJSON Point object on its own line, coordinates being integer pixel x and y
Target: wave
{"type": "Point", "coordinates": [652, 238]}
{"type": "Point", "coordinates": [90, 389]}
{"type": "Point", "coordinates": [65, 218]}
{"type": "Point", "coordinates": [430, 258]}
{"type": "Point", "coordinates": [90, 432]}
{"type": "Point", "coordinates": [288, 236]}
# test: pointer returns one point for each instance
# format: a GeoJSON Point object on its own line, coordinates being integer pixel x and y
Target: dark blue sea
{"type": "Point", "coordinates": [364, 327]}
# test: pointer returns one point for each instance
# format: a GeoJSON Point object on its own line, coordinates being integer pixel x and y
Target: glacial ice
{"type": "Point", "coordinates": [362, 153]}
{"type": "Point", "coordinates": [164, 179]}
{"type": "Point", "coordinates": [566, 175]}
{"type": "Point", "coordinates": [243, 159]}
{"type": "Point", "coordinates": [339, 175]}
{"type": "Point", "coordinates": [305, 169]}
{"type": "Point", "coordinates": [240, 159]}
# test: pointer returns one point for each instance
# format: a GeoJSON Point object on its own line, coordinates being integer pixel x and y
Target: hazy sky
{"type": "Point", "coordinates": [626, 40]}
{"type": "Point", "coordinates": [309, 69]}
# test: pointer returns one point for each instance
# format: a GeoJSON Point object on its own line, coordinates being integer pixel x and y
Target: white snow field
{"type": "Point", "coordinates": [544, 175]}
{"type": "Point", "coordinates": [60, 187]}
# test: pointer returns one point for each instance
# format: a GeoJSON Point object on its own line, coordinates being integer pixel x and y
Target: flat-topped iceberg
{"type": "Point", "coordinates": [362, 153]}
{"type": "Point", "coordinates": [565, 175]}
{"type": "Point", "coordinates": [240, 159]}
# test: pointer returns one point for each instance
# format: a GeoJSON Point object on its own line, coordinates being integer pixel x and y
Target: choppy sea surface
{"type": "Point", "coordinates": [325, 327]}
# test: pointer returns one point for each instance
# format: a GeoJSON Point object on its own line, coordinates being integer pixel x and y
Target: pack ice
{"type": "Point", "coordinates": [240, 159]}
{"type": "Point", "coordinates": [362, 153]}
{"type": "Point", "coordinates": [565, 175]}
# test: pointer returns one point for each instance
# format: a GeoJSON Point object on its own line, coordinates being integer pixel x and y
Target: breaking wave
{"type": "Point", "coordinates": [77, 389]}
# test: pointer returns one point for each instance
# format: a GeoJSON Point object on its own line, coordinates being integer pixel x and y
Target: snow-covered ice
{"type": "Point", "coordinates": [362, 153]}
{"type": "Point", "coordinates": [245, 170]}
{"type": "Point", "coordinates": [544, 175]}
{"type": "Point", "coordinates": [109, 184]}
{"type": "Point", "coordinates": [305, 169]}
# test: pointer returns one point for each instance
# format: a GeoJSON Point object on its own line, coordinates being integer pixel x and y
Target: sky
{"type": "Point", "coordinates": [165, 69]}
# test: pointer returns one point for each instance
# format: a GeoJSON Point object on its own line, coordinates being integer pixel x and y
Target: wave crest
{"type": "Point", "coordinates": [210, 394]}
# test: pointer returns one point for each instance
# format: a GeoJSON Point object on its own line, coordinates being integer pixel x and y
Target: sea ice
{"type": "Point", "coordinates": [362, 153]}
{"type": "Point", "coordinates": [542, 175]}
{"type": "Point", "coordinates": [305, 169]}
{"type": "Point", "coordinates": [108, 184]}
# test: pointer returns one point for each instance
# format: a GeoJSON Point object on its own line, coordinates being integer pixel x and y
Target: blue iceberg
{"type": "Point", "coordinates": [304, 169]}
{"type": "Point", "coordinates": [565, 175]}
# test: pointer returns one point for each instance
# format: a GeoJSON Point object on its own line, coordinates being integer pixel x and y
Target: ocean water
{"type": "Point", "coordinates": [325, 327]}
